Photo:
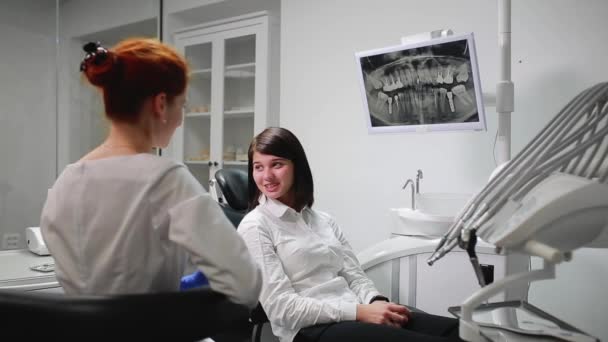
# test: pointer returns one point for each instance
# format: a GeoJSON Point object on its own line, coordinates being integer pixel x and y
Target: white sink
{"type": "Point", "coordinates": [442, 204]}
{"type": "Point", "coordinates": [433, 216]}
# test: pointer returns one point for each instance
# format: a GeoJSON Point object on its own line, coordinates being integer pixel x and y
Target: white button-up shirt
{"type": "Point", "coordinates": [138, 223]}
{"type": "Point", "coordinates": [310, 273]}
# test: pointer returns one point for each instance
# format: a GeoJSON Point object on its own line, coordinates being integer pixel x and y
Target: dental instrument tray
{"type": "Point", "coordinates": [523, 318]}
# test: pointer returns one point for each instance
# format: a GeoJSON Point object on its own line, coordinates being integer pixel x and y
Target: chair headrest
{"type": "Point", "coordinates": [233, 184]}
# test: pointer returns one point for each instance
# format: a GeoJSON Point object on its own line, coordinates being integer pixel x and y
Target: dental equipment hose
{"type": "Point", "coordinates": [575, 141]}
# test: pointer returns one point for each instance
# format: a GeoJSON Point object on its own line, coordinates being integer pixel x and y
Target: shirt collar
{"type": "Point", "coordinates": [277, 208]}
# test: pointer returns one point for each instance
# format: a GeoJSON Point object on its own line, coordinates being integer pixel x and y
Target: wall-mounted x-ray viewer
{"type": "Point", "coordinates": [431, 85]}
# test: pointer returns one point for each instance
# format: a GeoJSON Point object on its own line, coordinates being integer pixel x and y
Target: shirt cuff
{"type": "Point", "coordinates": [381, 298]}
{"type": "Point", "coordinates": [349, 311]}
{"type": "Point", "coordinates": [370, 296]}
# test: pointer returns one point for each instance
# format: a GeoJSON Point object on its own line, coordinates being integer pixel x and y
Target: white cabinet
{"type": "Point", "coordinates": [16, 273]}
{"type": "Point", "coordinates": [228, 97]}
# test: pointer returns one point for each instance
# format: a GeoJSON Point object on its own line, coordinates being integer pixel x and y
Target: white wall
{"type": "Point", "coordinates": [559, 49]}
{"type": "Point", "coordinates": [27, 112]}
{"type": "Point", "coordinates": [81, 118]}
{"type": "Point", "coordinates": [82, 17]}
{"type": "Point", "coordinates": [81, 123]}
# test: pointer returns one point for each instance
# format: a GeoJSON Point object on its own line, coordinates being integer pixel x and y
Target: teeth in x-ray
{"type": "Point", "coordinates": [401, 75]}
{"type": "Point", "coordinates": [462, 73]}
{"type": "Point", "coordinates": [395, 84]}
{"type": "Point", "coordinates": [436, 96]}
{"type": "Point", "coordinates": [390, 106]}
{"type": "Point", "coordinates": [375, 82]}
{"type": "Point", "coordinates": [448, 77]}
{"type": "Point", "coordinates": [461, 93]}
{"type": "Point", "coordinates": [398, 84]}
{"type": "Point", "coordinates": [422, 75]}
{"type": "Point", "coordinates": [397, 103]}
{"type": "Point", "coordinates": [451, 99]}
{"type": "Point", "coordinates": [433, 75]}
{"type": "Point", "coordinates": [411, 77]}
{"type": "Point", "coordinates": [382, 98]}
{"type": "Point", "coordinates": [428, 78]}
{"type": "Point", "coordinates": [387, 85]}
{"type": "Point", "coordinates": [440, 74]}
{"type": "Point", "coordinates": [403, 102]}
{"type": "Point", "coordinates": [443, 93]}
{"type": "Point", "coordinates": [402, 78]}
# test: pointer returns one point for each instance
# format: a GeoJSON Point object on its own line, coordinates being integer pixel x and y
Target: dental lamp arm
{"type": "Point", "coordinates": [562, 142]}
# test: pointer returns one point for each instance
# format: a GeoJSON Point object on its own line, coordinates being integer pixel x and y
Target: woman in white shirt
{"type": "Point", "coordinates": [314, 288]}
{"type": "Point", "coordinates": [122, 220]}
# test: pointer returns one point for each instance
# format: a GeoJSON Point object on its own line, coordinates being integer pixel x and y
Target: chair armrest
{"type": "Point", "coordinates": [258, 315]}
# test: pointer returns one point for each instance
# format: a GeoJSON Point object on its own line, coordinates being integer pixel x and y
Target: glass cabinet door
{"type": "Point", "coordinates": [197, 117]}
{"type": "Point", "coordinates": [239, 99]}
{"type": "Point", "coordinates": [227, 96]}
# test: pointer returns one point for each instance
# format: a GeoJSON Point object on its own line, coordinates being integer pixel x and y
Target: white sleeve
{"type": "Point", "coordinates": [280, 301]}
{"type": "Point", "coordinates": [352, 271]}
{"type": "Point", "coordinates": [199, 225]}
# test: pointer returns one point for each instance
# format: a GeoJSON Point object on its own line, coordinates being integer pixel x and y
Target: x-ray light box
{"type": "Point", "coordinates": [431, 85]}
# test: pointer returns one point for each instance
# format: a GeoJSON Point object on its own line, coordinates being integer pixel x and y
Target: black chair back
{"type": "Point", "coordinates": [233, 185]}
{"type": "Point", "coordinates": [171, 316]}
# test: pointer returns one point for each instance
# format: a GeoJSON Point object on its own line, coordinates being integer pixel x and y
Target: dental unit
{"type": "Point", "coordinates": [551, 199]}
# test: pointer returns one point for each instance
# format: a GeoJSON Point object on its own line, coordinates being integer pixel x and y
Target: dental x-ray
{"type": "Point", "coordinates": [424, 86]}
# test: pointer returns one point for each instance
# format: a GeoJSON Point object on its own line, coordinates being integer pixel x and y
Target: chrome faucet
{"type": "Point", "coordinates": [418, 178]}
{"type": "Point", "coordinates": [411, 182]}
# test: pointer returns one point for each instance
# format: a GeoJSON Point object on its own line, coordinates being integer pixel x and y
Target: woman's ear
{"type": "Point", "coordinates": [159, 106]}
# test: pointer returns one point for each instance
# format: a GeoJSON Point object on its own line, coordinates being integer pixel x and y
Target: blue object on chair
{"type": "Point", "coordinates": [194, 280]}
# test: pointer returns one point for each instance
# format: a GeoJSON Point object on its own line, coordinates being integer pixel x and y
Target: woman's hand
{"type": "Point", "coordinates": [380, 312]}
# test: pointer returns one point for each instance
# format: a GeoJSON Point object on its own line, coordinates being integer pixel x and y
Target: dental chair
{"type": "Point", "coordinates": [171, 316]}
{"type": "Point", "coordinates": [232, 184]}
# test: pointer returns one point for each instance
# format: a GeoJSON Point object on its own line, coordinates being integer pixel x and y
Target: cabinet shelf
{"type": "Point", "coordinates": [246, 66]}
{"type": "Point", "coordinates": [200, 71]}
{"type": "Point", "coordinates": [236, 163]}
{"type": "Point", "coordinates": [197, 162]}
{"type": "Point", "coordinates": [239, 113]}
{"type": "Point", "coordinates": [246, 70]}
{"type": "Point", "coordinates": [198, 115]}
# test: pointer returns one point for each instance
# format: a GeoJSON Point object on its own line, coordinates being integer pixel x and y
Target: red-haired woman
{"type": "Point", "coordinates": [122, 220]}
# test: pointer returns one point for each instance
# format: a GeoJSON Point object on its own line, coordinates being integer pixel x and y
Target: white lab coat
{"type": "Point", "coordinates": [134, 224]}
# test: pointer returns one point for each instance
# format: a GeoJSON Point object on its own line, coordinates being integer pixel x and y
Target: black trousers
{"type": "Point", "coordinates": [422, 327]}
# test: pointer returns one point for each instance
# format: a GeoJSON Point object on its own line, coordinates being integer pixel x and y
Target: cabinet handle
{"type": "Point", "coordinates": [210, 163]}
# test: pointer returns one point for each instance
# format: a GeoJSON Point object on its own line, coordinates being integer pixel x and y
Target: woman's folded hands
{"type": "Point", "coordinates": [380, 312]}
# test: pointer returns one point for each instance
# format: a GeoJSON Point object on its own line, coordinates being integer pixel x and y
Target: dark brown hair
{"type": "Point", "coordinates": [134, 70]}
{"type": "Point", "coordinates": [282, 143]}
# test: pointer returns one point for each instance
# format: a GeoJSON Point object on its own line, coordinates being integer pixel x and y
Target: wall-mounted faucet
{"type": "Point", "coordinates": [418, 178]}
{"type": "Point", "coordinates": [411, 182]}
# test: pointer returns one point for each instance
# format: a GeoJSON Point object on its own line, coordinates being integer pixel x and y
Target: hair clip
{"type": "Point", "coordinates": [96, 51]}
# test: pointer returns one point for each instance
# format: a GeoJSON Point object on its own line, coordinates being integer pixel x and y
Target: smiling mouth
{"type": "Point", "coordinates": [271, 187]}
